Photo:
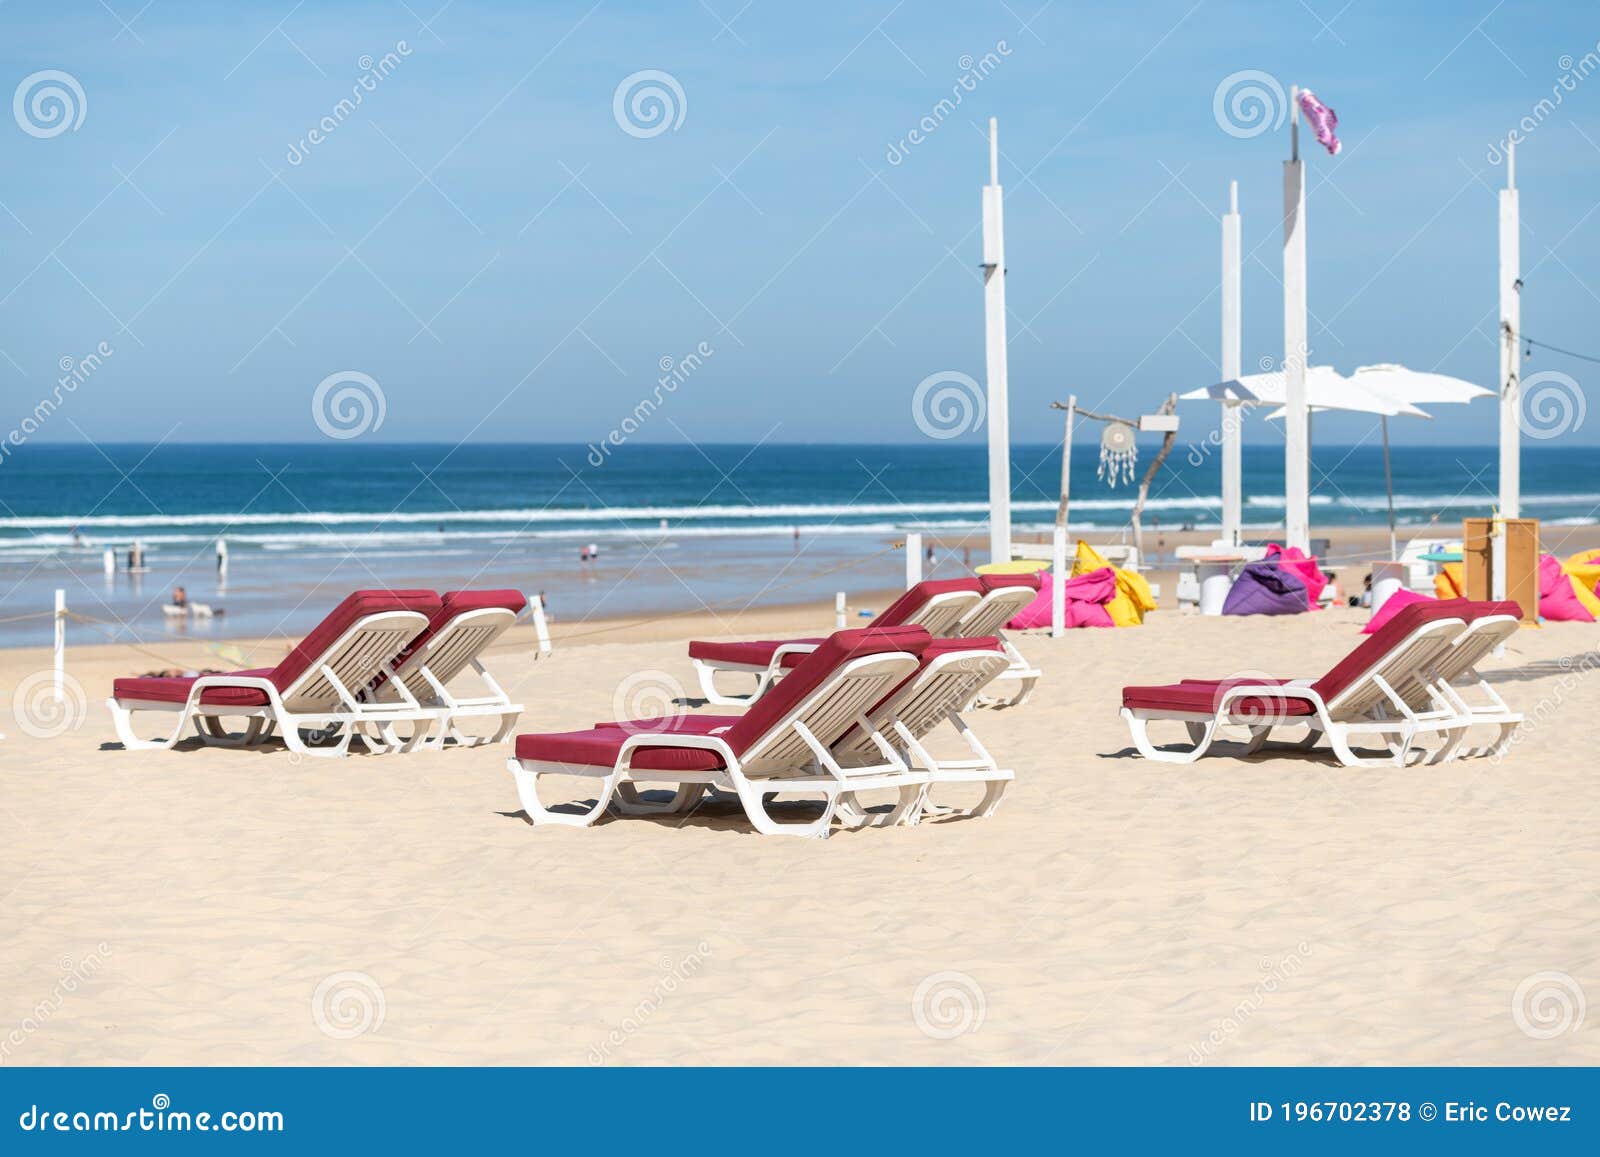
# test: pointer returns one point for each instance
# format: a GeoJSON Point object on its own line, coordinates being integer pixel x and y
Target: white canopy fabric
{"type": "Point", "coordinates": [1418, 387]}
{"type": "Point", "coordinates": [1326, 389]}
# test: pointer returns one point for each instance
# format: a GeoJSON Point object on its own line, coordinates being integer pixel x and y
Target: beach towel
{"type": "Point", "coordinates": [1451, 581]}
{"type": "Point", "coordinates": [1265, 588]}
{"type": "Point", "coordinates": [1085, 602]}
{"type": "Point", "coordinates": [1392, 606]}
{"type": "Point", "coordinates": [1305, 567]}
{"type": "Point", "coordinates": [1133, 597]}
{"type": "Point", "coordinates": [1561, 597]}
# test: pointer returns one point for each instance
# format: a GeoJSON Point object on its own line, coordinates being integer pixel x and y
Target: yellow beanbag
{"type": "Point", "coordinates": [1587, 573]}
{"type": "Point", "coordinates": [1450, 582]}
{"type": "Point", "coordinates": [1133, 596]}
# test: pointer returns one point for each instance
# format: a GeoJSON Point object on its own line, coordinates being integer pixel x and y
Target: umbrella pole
{"type": "Point", "coordinates": [1388, 486]}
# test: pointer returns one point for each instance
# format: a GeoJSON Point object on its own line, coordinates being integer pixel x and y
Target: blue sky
{"type": "Point", "coordinates": [483, 239]}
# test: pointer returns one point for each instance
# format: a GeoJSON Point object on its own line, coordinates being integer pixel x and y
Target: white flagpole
{"type": "Point", "coordinates": [994, 335]}
{"type": "Point", "coordinates": [1510, 346]}
{"type": "Point", "coordinates": [1232, 455]}
{"type": "Point", "coordinates": [1296, 459]}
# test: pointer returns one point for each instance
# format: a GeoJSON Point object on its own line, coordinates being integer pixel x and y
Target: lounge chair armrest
{"type": "Point", "coordinates": [255, 682]}
{"type": "Point", "coordinates": [1268, 691]}
{"type": "Point", "coordinates": [674, 739]}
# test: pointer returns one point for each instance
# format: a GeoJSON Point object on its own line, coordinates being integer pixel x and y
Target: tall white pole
{"type": "Point", "coordinates": [913, 559]}
{"type": "Point", "coordinates": [994, 337]}
{"type": "Point", "coordinates": [1510, 345]}
{"type": "Point", "coordinates": [1232, 456]}
{"type": "Point", "coordinates": [1296, 460]}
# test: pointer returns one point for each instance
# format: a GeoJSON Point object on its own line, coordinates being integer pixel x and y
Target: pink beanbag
{"type": "Point", "coordinates": [1304, 567]}
{"type": "Point", "coordinates": [1558, 602]}
{"type": "Point", "coordinates": [1086, 599]}
{"type": "Point", "coordinates": [1396, 603]}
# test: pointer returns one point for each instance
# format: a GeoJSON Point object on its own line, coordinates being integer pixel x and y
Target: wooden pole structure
{"type": "Point", "coordinates": [1296, 423]}
{"type": "Point", "coordinates": [1066, 464]}
{"type": "Point", "coordinates": [1232, 413]}
{"type": "Point", "coordinates": [1510, 345]}
{"type": "Point", "coordinates": [994, 337]}
{"type": "Point", "coordinates": [1168, 407]}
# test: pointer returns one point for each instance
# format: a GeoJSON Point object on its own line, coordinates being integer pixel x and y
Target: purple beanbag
{"type": "Point", "coordinates": [1265, 588]}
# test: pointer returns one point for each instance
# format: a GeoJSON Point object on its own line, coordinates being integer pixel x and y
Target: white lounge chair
{"type": "Point", "coordinates": [782, 744]}
{"type": "Point", "coordinates": [936, 605]}
{"type": "Point", "coordinates": [1361, 696]}
{"type": "Point", "coordinates": [1004, 597]}
{"type": "Point", "coordinates": [320, 685]}
{"type": "Point", "coordinates": [456, 636]}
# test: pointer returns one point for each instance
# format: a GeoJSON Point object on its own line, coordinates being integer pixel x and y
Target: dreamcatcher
{"type": "Point", "coordinates": [1119, 450]}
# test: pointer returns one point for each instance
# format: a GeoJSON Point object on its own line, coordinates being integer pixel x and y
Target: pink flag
{"type": "Point", "coordinates": [1323, 121]}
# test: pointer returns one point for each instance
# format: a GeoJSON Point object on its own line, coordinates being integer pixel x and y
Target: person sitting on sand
{"type": "Point", "coordinates": [180, 597]}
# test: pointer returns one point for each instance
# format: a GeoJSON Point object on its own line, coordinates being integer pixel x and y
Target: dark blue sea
{"type": "Point", "coordinates": [677, 526]}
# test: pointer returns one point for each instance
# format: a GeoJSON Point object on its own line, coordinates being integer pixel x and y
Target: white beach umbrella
{"type": "Point", "coordinates": [1329, 390]}
{"type": "Point", "coordinates": [1418, 387]}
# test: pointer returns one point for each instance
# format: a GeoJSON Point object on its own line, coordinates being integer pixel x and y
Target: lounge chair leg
{"type": "Point", "coordinates": [292, 740]}
{"type": "Point", "coordinates": [907, 809]}
{"type": "Point", "coordinates": [993, 791]}
{"type": "Point", "coordinates": [709, 689]}
{"type": "Point", "coordinates": [211, 730]}
{"type": "Point", "coordinates": [1141, 739]}
{"type": "Point", "coordinates": [1257, 740]}
{"type": "Point", "coordinates": [527, 781]}
{"type": "Point", "coordinates": [753, 797]}
{"type": "Point", "coordinates": [122, 720]}
{"type": "Point", "coordinates": [628, 802]}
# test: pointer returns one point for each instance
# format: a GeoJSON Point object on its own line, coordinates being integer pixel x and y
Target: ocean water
{"type": "Point", "coordinates": [678, 526]}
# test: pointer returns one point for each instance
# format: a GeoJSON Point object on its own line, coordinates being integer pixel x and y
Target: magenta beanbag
{"type": "Point", "coordinates": [1304, 567]}
{"type": "Point", "coordinates": [1085, 604]}
{"type": "Point", "coordinates": [1396, 603]}
{"type": "Point", "coordinates": [1558, 602]}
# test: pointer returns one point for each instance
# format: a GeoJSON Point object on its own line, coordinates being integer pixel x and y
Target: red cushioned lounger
{"type": "Point", "coordinates": [1386, 689]}
{"type": "Point", "coordinates": [320, 684]}
{"type": "Point", "coordinates": [781, 744]}
{"type": "Point", "coordinates": [1004, 598]}
{"type": "Point", "coordinates": [455, 638]}
{"type": "Point", "coordinates": [951, 673]}
{"type": "Point", "coordinates": [935, 605]}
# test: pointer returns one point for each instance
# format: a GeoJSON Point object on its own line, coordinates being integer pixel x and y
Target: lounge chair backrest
{"type": "Point", "coordinates": [358, 639]}
{"type": "Point", "coordinates": [1411, 641]}
{"type": "Point", "coordinates": [827, 690]}
{"type": "Point", "coordinates": [1004, 597]}
{"type": "Point", "coordinates": [1490, 625]}
{"type": "Point", "coordinates": [936, 605]}
{"type": "Point", "coordinates": [457, 633]}
{"type": "Point", "coordinates": [951, 672]}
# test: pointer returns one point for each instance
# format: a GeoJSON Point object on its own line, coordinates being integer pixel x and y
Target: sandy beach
{"type": "Point", "coordinates": [206, 906]}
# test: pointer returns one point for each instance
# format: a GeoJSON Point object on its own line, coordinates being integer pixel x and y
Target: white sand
{"type": "Point", "coordinates": [185, 906]}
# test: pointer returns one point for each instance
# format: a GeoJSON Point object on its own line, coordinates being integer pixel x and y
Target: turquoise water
{"type": "Point", "coordinates": [677, 526]}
